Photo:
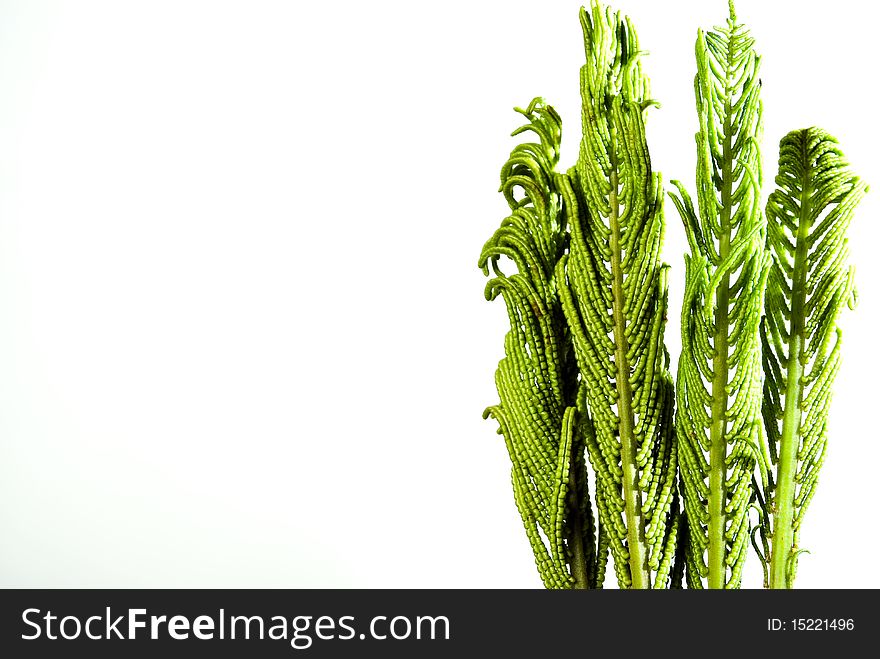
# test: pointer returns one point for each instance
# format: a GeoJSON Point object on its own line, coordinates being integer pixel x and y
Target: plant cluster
{"type": "Point", "coordinates": [686, 471]}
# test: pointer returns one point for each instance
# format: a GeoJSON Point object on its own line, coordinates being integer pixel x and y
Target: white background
{"type": "Point", "coordinates": [243, 340]}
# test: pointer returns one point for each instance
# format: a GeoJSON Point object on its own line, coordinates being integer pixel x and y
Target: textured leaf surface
{"type": "Point", "coordinates": [809, 284]}
{"type": "Point", "coordinates": [719, 376]}
{"type": "Point", "coordinates": [537, 384]}
{"type": "Point", "coordinates": [613, 290]}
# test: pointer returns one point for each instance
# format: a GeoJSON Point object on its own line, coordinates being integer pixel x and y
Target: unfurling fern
{"type": "Point", "coordinates": [537, 378]}
{"type": "Point", "coordinates": [613, 291]}
{"type": "Point", "coordinates": [585, 371]}
{"type": "Point", "coordinates": [718, 384]}
{"type": "Point", "coordinates": [810, 282]}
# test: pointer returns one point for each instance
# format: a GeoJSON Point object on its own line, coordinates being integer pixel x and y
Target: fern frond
{"type": "Point", "coordinates": [613, 291]}
{"type": "Point", "coordinates": [810, 282]}
{"type": "Point", "coordinates": [538, 414]}
{"type": "Point", "coordinates": [718, 384]}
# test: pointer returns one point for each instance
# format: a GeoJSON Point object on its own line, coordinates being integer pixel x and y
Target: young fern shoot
{"type": "Point", "coordinates": [613, 292]}
{"type": "Point", "coordinates": [536, 380]}
{"type": "Point", "coordinates": [810, 282]}
{"type": "Point", "coordinates": [719, 374]}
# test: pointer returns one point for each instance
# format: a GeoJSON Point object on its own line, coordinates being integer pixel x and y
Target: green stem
{"type": "Point", "coordinates": [789, 444]}
{"type": "Point", "coordinates": [579, 568]}
{"type": "Point", "coordinates": [718, 446]}
{"type": "Point", "coordinates": [635, 526]}
{"type": "Point", "coordinates": [718, 429]}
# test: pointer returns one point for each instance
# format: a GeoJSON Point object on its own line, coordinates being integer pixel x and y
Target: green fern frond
{"type": "Point", "coordinates": [810, 282]}
{"type": "Point", "coordinates": [613, 292]}
{"type": "Point", "coordinates": [544, 431]}
{"type": "Point", "coordinates": [718, 384]}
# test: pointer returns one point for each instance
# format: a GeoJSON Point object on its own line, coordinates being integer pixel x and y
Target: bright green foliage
{"type": "Point", "coordinates": [719, 374]}
{"type": "Point", "coordinates": [613, 291]}
{"type": "Point", "coordinates": [586, 369]}
{"type": "Point", "coordinates": [537, 378]}
{"type": "Point", "coordinates": [810, 282]}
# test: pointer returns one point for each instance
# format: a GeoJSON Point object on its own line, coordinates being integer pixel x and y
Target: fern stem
{"type": "Point", "coordinates": [718, 432]}
{"type": "Point", "coordinates": [579, 565]}
{"type": "Point", "coordinates": [718, 449]}
{"type": "Point", "coordinates": [635, 527]}
{"type": "Point", "coordinates": [783, 504]}
{"type": "Point", "coordinates": [578, 557]}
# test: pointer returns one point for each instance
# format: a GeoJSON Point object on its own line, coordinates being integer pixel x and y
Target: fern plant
{"type": "Point", "coordinates": [585, 371]}
{"type": "Point", "coordinates": [719, 374]}
{"type": "Point", "coordinates": [537, 379]}
{"type": "Point", "coordinates": [809, 284]}
{"type": "Point", "coordinates": [586, 246]}
{"type": "Point", "coordinates": [613, 291]}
